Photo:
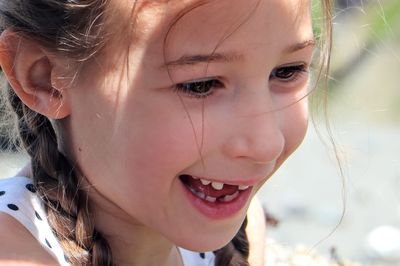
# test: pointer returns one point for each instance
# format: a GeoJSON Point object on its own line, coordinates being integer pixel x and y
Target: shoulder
{"type": "Point", "coordinates": [18, 246]}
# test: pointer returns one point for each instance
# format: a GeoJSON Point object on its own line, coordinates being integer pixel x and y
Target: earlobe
{"type": "Point", "coordinates": [28, 68]}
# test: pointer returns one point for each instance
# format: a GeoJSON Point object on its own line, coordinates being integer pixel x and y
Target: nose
{"type": "Point", "coordinates": [254, 131]}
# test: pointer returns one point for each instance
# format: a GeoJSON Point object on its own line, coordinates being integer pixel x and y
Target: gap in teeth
{"type": "Point", "coordinates": [218, 185]}
{"type": "Point", "coordinates": [215, 185]}
{"type": "Point", "coordinates": [226, 198]}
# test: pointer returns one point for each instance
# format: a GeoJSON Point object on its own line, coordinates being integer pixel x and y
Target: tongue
{"type": "Point", "coordinates": [208, 190]}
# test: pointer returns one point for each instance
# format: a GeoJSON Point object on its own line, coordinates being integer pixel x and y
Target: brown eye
{"type": "Point", "coordinates": [288, 73]}
{"type": "Point", "coordinates": [199, 89]}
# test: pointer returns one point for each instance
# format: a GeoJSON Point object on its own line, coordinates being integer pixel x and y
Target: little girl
{"type": "Point", "coordinates": [150, 125]}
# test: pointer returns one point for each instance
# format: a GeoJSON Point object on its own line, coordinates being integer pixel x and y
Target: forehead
{"type": "Point", "coordinates": [194, 17]}
{"type": "Point", "coordinates": [168, 29]}
{"type": "Point", "coordinates": [263, 21]}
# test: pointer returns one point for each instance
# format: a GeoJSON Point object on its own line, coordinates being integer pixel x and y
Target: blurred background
{"type": "Point", "coordinates": [309, 193]}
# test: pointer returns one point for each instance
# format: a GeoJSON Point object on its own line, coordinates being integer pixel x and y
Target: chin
{"type": "Point", "coordinates": [204, 242]}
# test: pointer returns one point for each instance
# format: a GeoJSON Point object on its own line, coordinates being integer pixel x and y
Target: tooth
{"type": "Point", "coordinates": [200, 195]}
{"type": "Point", "coordinates": [205, 182]}
{"type": "Point", "coordinates": [210, 199]}
{"type": "Point", "coordinates": [217, 185]}
{"type": "Point", "coordinates": [228, 198]}
{"type": "Point", "coordinates": [242, 187]}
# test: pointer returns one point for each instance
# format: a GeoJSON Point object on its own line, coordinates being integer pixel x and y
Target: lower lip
{"type": "Point", "coordinates": [219, 210]}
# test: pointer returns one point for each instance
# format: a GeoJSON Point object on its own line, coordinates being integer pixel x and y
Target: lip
{"type": "Point", "coordinates": [218, 210]}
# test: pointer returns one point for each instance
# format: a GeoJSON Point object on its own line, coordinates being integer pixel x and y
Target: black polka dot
{"type": "Point", "coordinates": [66, 258]}
{"type": "Point", "coordinates": [47, 242]}
{"type": "Point", "coordinates": [13, 207]}
{"type": "Point", "coordinates": [38, 216]}
{"type": "Point", "coordinates": [2, 193]}
{"type": "Point", "coordinates": [31, 188]}
{"type": "Point", "coordinates": [202, 255]}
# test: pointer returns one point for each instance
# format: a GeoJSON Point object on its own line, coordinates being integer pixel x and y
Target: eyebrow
{"type": "Point", "coordinates": [188, 60]}
{"type": "Point", "coordinates": [300, 46]}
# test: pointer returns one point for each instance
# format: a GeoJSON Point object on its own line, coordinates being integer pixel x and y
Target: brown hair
{"type": "Point", "coordinates": [77, 29]}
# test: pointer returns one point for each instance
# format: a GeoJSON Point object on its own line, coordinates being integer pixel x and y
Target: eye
{"type": "Point", "coordinates": [289, 73]}
{"type": "Point", "coordinates": [199, 88]}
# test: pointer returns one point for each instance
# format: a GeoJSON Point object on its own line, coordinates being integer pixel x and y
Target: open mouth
{"type": "Point", "coordinates": [212, 191]}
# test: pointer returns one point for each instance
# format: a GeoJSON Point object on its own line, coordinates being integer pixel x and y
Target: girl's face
{"type": "Point", "coordinates": [217, 96]}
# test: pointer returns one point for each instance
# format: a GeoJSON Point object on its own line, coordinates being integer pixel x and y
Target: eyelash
{"type": "Point", "coordinates": [295, 72]}
{"type": "Point", "coordinates": [206, 87]}
{"type": "Point", "coordinates": [199, 88]}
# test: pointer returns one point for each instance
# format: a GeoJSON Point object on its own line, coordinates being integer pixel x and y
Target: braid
{"type": "Point", "coordinates": [236, 252]}
{"type": "Point", "coordinates": [58, 184]}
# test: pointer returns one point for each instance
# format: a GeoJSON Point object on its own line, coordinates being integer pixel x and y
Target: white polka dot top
{"type": "Point", "coordinates": [18, 198]}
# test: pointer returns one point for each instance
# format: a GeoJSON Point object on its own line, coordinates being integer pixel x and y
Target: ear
{"type": "Point", "coordinates": [29, 69]}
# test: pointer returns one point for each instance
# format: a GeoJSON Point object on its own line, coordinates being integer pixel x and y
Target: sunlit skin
{"type": "Point", "coordinates": [133, 133]}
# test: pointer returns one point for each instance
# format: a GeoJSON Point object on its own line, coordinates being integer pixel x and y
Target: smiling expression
{"type": "Point", "coordinates": [181, 135]}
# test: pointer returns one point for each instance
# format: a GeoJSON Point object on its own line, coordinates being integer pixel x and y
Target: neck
{"type": "Point", "coordinates": [132, 243]}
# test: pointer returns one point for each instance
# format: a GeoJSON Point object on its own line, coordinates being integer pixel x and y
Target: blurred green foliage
{"type": "Point", "coordinates": [383, 18]}
{"type": "Point", "coordinates": [365, 60]}
{"type": "Point", "coordinates": [316, 16]}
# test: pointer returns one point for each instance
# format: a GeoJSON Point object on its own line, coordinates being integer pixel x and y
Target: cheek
{"type": "Point", "coordinates": [294, 125]}
{"type": "Point", "coordinates": [158, 138]}
{"type": "Point", "coordinates": [163, 145]}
